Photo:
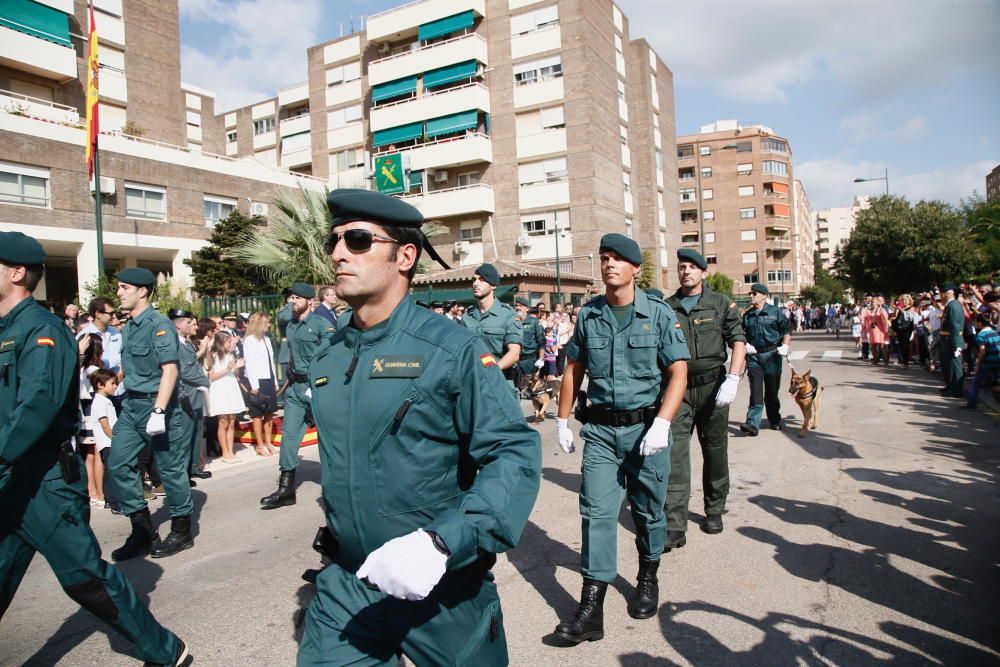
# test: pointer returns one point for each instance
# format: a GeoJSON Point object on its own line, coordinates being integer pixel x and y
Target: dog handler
{"type": "Point", "coordinates": [768, 334]}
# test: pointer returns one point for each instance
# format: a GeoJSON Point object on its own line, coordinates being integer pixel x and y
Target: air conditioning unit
{"type": "Point", "coordinates": [384, 48]}
{"type": "Point", "coordinates": [440, 176]}
{"type": "Point", "coordinates": [107, 185]}
{"type": "Point", "coordinates": [462, 248]}
{"type": "Point", "coordinates": [524, 242]}
{"type": "Point", "coordinates": [258, 208]}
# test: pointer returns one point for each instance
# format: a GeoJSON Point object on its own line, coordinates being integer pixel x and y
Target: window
{"type": "Point", "coordinates": [689, 215]}
{"type": "Point", "coordinates": [658, 159]}
{"type": "Point", "coordinates": [552, 118]}
{"type": "Point", "coordinates": [522, 24]}
{"type": "Point", "coordinates": [709, 215]}
{"type": "Point", "coordinates": [146, 201]}
{"type": "Point", "coordinates": [773, 145]}
{"type": "Point", "coordinates": [751, 278]}
{"type": "Point", "coordinates": [711, 259]}
{"type": "Point", "coordinates": [628, 228]}
{"type": "Point", "coordinates": [774, 167]}
{"type": "Point", "coordinates": [471, 234]}
{"type": "Point", "coordinates": [746, 191]}
{"type": "Point", "coordinates": [744, 146]}
{"type": "Point", "coordinates": [545, 223]}
{"type": "Point", "coordinates": [750, 258]}
{"type": "Point", "coordinates": [689, 237]}
{"type": "Point", "coordinates": [348, 159]}
{"type": "Point", "coordinates": [537, 70]}
{"type": "Point", "coordinates": [706, 172]}
{"type": "Point", "coordinates": [231, 136]}
{"type": "Point", "coordinates": [469, 178]}
{"type": "Point", "coordinates": [784, 276]}
{"type": "Point", "coordinates": [194, 118]}
{"type": "Point", "coordinates": [263, 126]}
{"type": "Point", "coordinates": [627, 182]}
{"type": "Point", "coordinates": [746, 213]}
{"type": "Point", "coordinates": [685, 150]}
{"type": "Point", "coordinates": [685, 173]}
{"type": "Point", "coordinates": [343, 73]}
{"type": "Point", "coordinates": [339, 118]}
{"type": "Point", "coordinates": [297, 112]}
{"type": "Point", "coordinates": [707, 194]}
{"type": "Point", "coordinates": [748, 235]}
{"type": "Point", "coordinates": [217, 208]}
{"type": "Point", "coordinates": [709, 237]}
{"type": "Point", "coordinates": [618, 43]}
{"type": "Point", "coordinates": [744, 169]}
{"type": "Point", "coordinates": [21, 184]}
{"type": "Point", "coordinates": [705, 150]}
{"type": "Point", "coordinates": [686, 195]}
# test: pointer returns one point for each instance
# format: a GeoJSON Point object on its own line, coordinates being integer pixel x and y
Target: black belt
{"type": "Point", "coordinates": [298, 377]}
{"type": "Point", "coordinates": [704, 378]}
{"type": "Point", "coordinates": [622, 417]}
{"type": "Point", "coordinates": [141, 394]}
{"type": "Point", "coordinates": [767, 348]}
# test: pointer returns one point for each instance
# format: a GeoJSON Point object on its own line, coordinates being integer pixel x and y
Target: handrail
{"type": "Point", "coordinates": [37, 100]}
{"type": "Point", "coordinates": [425, 47]}
{"type": "Point", "coordinates": [446, 140]}
{"type": "Point", "coordinates": [437, 192]}
{"type": "Point", "coordinates": [431, 94]}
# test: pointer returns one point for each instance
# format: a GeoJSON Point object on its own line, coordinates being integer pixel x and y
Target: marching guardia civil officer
{"type": "Point", "coordinates": [428, 466]}
{"type": "Point", "coordinates": [532, 338]}
{"type": "Point", "coordinates": [710, 322]}
{"type": "Point", "coordinates": [190, 388]}
{"type": "Point", "coordinates": [768, 334]}
{"type": "Point", "coordinates": [951, 343]}
{"type": "Point", "coordinates": [150, 415]}
{"type": "Point", "coordinates": [43, 485]}
{"type": "Point", "coordinates": [493, 321]}
{"type": "Point", "coordinates": [306, 333]}
{"type": "Point", "coordinates": [633, 350]}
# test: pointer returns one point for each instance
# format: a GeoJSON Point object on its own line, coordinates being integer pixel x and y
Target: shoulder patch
{"type": "Point", "coordinates": [487, 360]}
{"type": "Point", "coordinates": [45, 340]}
{"type": "Point", "coordinates": [677, 325]}
{"type": "Point", "coordinates": [732, 304]}
{"type": "Point", "coordinates": [161, 332]}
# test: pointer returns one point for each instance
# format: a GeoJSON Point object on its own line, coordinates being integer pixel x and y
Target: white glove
{"type": "Point", "coordinates": [783, 350]}
{"type": "Point", "coordinates": [309, 393]}
{"type": "Point", "coordinates": [157, 424]}
{"type": "Point", "coordinates": [657, 438]}
{"type": "Point", "coordinates": [751, 349]}
{"type": "Point", "coordinates": [408, 567]}
{"type": "Point", "coordinates": [727, 392]}
{"type": "Point", "coordinates": [958, 353]}
{"type": "Point", "coordinates": [539, 363]}
{"type": "Point", "coordinates": [564, 436]}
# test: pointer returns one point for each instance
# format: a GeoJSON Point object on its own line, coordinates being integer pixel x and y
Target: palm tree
{"type": "Point", "coordinates": [290, 248]}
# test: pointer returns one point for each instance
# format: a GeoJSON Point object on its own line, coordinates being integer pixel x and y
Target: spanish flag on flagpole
{"type": "Point", "coordinates": [93, 126]}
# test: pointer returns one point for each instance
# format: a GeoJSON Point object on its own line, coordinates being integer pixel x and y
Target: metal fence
{"type": "Point", "coordinates": [268, 303]}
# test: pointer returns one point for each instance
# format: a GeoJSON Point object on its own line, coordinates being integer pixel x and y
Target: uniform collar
{"type": "Point", "coordinates": [15, 311]}
{"type": "Point", "coordinates": [142, 317]}
{"type": "Point", "coordinates": [483, 314]}
{"type": "Point", "coordinates": [401, 314]}
{"type": "Point", "coordinates": [640, 308]}
{"type": "Point", "coordinates": [705, 291]}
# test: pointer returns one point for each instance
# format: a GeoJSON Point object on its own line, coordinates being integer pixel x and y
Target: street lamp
{"type": "Point", "coordinates": [880, 178]}
{"type": "Point", "coordinates": [558, 233]}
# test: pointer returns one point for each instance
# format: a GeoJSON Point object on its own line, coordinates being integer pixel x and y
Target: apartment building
{"type": "Point", "coordinates": [737, 197]}
{"type": "Point", "coordinates": [803, 239]}
{"type": "Point", "coordinates": [162, 186]}
{"type": "Point", "coordinates": [527, 129]}
{"type": "Point", "coordinates": [993, 184]}
{"type": "Point", "coordinates": [834, 227]}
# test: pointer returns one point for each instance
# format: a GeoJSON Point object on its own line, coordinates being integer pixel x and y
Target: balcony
{"type": "Point", "coordinates": [400, 22]}
{"type": "Point", "coordinates": [32, 107]}
{"type": "Point", "coordinates": [345, 92]}
{"type": "Point", "coordinates": [431, 105]}
{"type": "Point", "coordinates": [451, 152]}
{"type": "Point", "coordinates": [543, 246]}
{"type": "Point", "coordinates": [34, 55]}
{"type": "Point", "coordinates": [297, 125]}
{"type": "Point", "coordinates": [427, 58]}
{"type": "Point", "coordinates": [538, 93]}
{"type": "Point", "coordinates": [296, 158]}
{"type": "Point", "coordinates": [345, 136]}
{"type": "Point", "coordinates": [537, 41]}
{"type": "Point", "coordinates": [543, 194]}
{"type": "Point", "coordinates": [291, 95]}
{"type": "Point", "coordinates": [465, 200]}
{"type": "Point", "coordinates": [113, 85]}
{"type": "Point", "coordinates": [543, 143]}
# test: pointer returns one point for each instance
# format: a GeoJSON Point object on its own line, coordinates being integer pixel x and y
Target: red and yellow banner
{"type": "Point", "coordinates": [93, 66]}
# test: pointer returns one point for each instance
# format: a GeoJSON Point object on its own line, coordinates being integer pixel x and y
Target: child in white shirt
{"type": "Point", "coordinates": [103, 417]}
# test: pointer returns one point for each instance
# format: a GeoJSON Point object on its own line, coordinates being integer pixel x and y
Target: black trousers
{"type": "Point", "coordinates": [764, 388]}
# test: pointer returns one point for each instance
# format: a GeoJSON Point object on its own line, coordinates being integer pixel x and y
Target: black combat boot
{"type": "Point", "coordinates": [646, 600]}
{"type": "Point", "coordinates": [141, 539]}
{"type": "Point", "coordinates": [285, 495]}
{"type": "Point", "coordinates": [713, 524]}
{"type": "Point", "coordinates": [178, 539]}
{"type": "Point", "coordinates": [588, 621]}
{"type": "Point", "coordinates": [675, 540]}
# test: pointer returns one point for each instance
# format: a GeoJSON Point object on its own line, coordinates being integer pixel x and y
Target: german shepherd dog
{"type": "Point", "coordinates": [542, 393]}
{"type": "Point", "coordinates": [808, 393]}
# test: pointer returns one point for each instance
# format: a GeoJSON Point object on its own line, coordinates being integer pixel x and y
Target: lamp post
{"type": "Point", "coordinates": [880, 178]}
{"type": "Point", "coordinates": [558, 272]}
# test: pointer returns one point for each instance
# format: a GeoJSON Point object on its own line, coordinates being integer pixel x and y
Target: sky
{"type": "Point", "coordinates": [856, 86]}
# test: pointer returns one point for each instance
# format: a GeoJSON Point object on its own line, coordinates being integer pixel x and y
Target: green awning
{"type": "Point", "coordinates": [446, 25]}
{"type": "Point", "coordinates": [462, 295]}
{"type": "Point", "coordinates": [400, 133]}
{"type": "Point", "coordinates": [396, 88]}
{"type": "Point", "coordinates": [453, 123]}
{"type": "Point", "coordinates": [36, 19]}
{"type": "Point", "coordinates": [442, 75]}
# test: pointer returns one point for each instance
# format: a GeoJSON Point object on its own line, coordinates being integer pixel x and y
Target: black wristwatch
{"type": "Point", "coordinates": [159, 411]}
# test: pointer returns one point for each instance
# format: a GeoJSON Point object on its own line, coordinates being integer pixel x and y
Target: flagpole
{"type": "Point", "coordinates": [97, 212]}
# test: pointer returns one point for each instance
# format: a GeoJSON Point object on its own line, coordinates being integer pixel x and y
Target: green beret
{"type": "Point", "coordinates": [489, 273]}
{"type": "Point", "coordinates": [137, 276]}
{"type": "Point", "coordinates": [623, 245]}
{"type": "Point", "coordinates": [655, 292]}
{"type": "Point", "coordinates": [521, 301]}
{"type": "Point", "coordinates": [693, 256]}
{"type": "Point", "coordinates": [759, 288]}
{"type": "Point", "coordinates": [301, 289]}
{"type": "Point", "coordinates": [17, 249]}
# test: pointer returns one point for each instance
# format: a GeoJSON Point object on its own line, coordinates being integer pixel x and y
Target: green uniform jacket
{"type": "Point", "coordinates": [284, 317]}
{"type": "Point", "coordinates": [712, 324]}
{"type": "Point", "coordinates": [952, 324]}
{"type": "Point", "coordinates": [192, 376]}
{"type": "Point", "coordinates": [39, 389]}
{"type": "Point", "coordinates": [763, 328]}
{"type": "Point", "coordinates": [498, 327]}
{"type": "Point", "coordinates": [418, 429]}
{"type": "Point", "coordinates": [625, 366]}
{"type": "Point", "coordinates": [148, 341]}
{"type": "Point", "coordinates": [533, 336]}
{"type": "Point", "coordinates": [305, 338]}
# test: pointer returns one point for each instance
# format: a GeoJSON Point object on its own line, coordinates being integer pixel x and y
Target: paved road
{"type": "Point", "coordinates": [873, 539]}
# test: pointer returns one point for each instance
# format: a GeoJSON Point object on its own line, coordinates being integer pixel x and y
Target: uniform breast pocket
{"type": "Point", "coordinates": [143, 359]}
{"type": "Point", "coordinates": [493, 338]}
{"type": "Point", "coordinates": [598, 355]}
{"type": "Point", "coordinates": [413, 457]}
{"type": "Point", "coordinates": [642, 355]}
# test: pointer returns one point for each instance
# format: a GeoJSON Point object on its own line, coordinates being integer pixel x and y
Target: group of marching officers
{"type": "Point", "coordinates": [396, 392]}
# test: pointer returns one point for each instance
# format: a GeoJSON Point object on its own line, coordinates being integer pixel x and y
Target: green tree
{"type": "Point", "coordinates": [983, 222]}
{"type": "Point", "coordinates": [173, 294]}
{"type": "Point", "coordinates": [826, 288]}
{"type": "Point", "coordinates": [217, 273]}
{"type": "Point", "coordinates": [721, 283]}
{"type": "Point", "coordinates": [104, 285]}
{"type": "Point", "coordinates": [647, 272]}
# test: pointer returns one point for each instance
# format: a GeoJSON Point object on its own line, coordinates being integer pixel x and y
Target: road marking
{"type": "Point", "coordinates": [795, 356]}
{"type": "Point", "coordinates": [833, 354]}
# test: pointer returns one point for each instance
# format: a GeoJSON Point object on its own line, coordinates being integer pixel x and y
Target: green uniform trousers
{"type": "Point", "coordinates": [612, 468]}
{"type": "Point", "coordinates": [293, 426]}
{"type": "Point", "coordinates": [699, 412]}
{"type": "Point", "coordinates": [54, 519]}
{"type": "Point", "coordinates": [171, 451]}
{"type": "Point", "coordinates": [951, 367]}
{"type": "Point", "coordinates": [765, 389]}
{"type": "Point", "coordinates": [460, 623]}
{"type": "Point", "coordinates": [191, 428]}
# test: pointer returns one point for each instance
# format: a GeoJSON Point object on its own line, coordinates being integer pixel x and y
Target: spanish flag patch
{"type": "Point", "coordinates": [487, 360]}
{"type": "Point", "coordinates": [161, 332]}
{"type": "Point", "coordinates": [677, 325]}
{"type": "Point", "coordinates": [732, 305]}
{"type": "Point", "coordinates": [46, 341]}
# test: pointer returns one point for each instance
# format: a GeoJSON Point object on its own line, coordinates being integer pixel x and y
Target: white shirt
{"type": "Point", "coordinates": [102, 407]}
{"type": "Point", "coordinates": [260, 360]}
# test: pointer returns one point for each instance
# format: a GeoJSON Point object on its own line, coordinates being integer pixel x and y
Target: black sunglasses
{"type": "Point", "coordinates": [356, 240]}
